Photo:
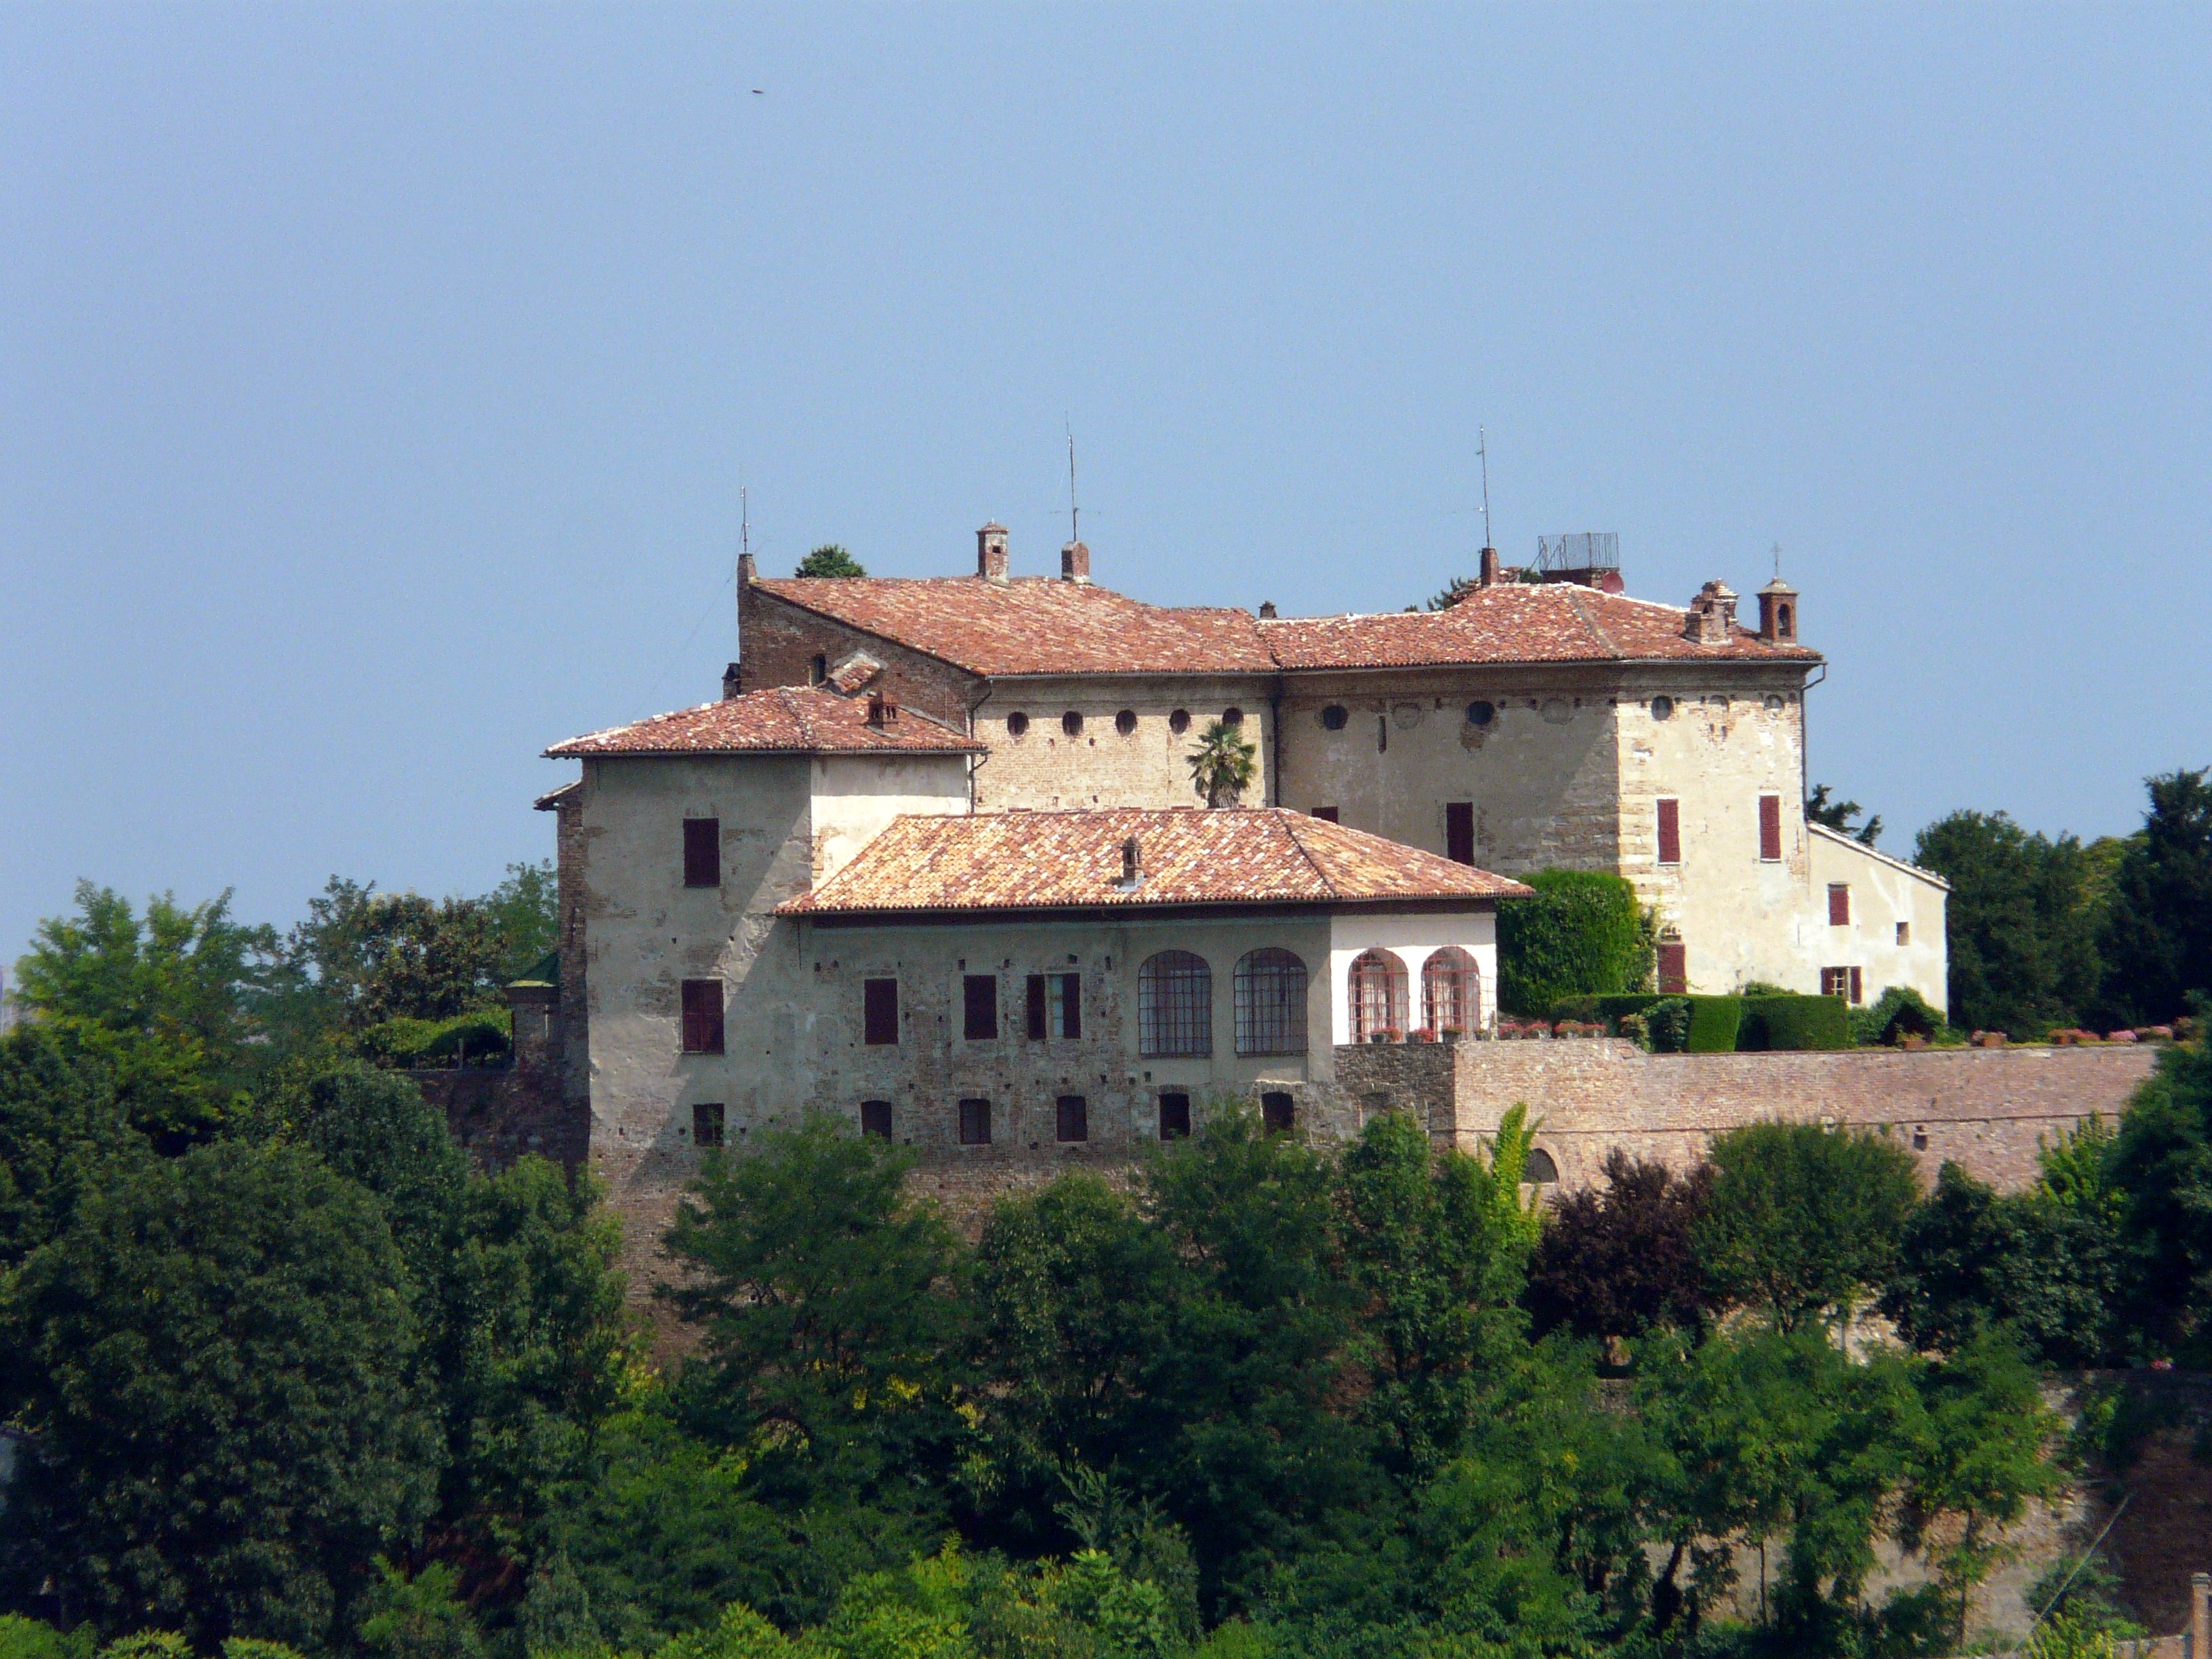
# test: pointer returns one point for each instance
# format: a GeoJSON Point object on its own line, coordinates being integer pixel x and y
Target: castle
{"type": "Point", "coordinates": [934, 862]}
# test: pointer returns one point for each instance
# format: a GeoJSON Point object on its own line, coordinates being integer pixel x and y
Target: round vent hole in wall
{"type": "Point", "coordinates": [1335, 717]}
{"type": "Point", "coordinates": [1480, 712]}
{"type": "Point", "coordinates": [1662, 708]}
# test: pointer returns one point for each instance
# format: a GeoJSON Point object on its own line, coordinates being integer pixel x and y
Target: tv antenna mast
{"type": "Point", "coordinates": [1482, 454]}
{"type": "Point", "coordinates": [1074, 517]}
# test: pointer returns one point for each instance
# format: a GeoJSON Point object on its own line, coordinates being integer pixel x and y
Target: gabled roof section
{"type": "Point", "coordinates": [1025, 862]}
{"type": "Point", "coordinates": [1512, 622]}
{"type": "Point", "coordinates": [1038, 625]}
{"type": "Point", "coordinates": [784, 719]}
{"type": "Point", "coordinates": [1034, 625]}
{"type": "Point", "coordinates": [1905, 867]}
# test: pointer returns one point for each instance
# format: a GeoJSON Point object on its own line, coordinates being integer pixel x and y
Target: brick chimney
{"type": "Point", "coordinates": [1490, 567]}
{"type": "Point", "coordinates": [991, 563]}
{"type": "Point", "coordinates": [1777, 613]}
{"type": "Point", "coordinates": [734, 682]}
{"type": "Point", "coordinates": [1133, 864]}
{"type": "Point", "coordinates": [1711, 615]}
{"type": "Point", "coordinates": [882, 711]}
{"type": "Point", "coordinates": [1266, 610]}
{"type": "Point", "coordinates": [1075, 563]}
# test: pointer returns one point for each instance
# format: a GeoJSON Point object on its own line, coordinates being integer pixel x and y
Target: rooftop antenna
{"type": "Point", "coordinates": [744, 523]}
{"type": "Point", "coordinates": [1778, 561]}
{"type": "Point", "coordinates": [1482, 454]}
{"type": "Point", "coordinates": [1074, 533]}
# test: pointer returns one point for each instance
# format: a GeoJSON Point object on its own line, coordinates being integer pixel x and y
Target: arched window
{"type": "Point", "coordinates": [1451, 991]}
{"type": "Point", "coordinates": [1540, 1171]}
{"type": "Point", "coordinates": [1377, 995]}
{"type": "Point", "coordinates": [1271, 1003]}
{"type": "Point", "coordinates": [1175, 1006]}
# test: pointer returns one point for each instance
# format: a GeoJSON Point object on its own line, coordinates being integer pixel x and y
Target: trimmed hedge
{"type": "Point", "coordinates": [399, 1043]}
{"type": "Point", "coordinates": [1713, 1022]}
{"type": "Point", "coordinates": [1794, 1023]}
{"type": "Point", "coordinates": [1583, 934]}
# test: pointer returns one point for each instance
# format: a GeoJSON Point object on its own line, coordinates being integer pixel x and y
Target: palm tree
{"type": "Point", "coordinates": [1221, 765]}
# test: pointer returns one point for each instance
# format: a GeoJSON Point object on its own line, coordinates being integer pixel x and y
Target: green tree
{"type": "Point", "coordinates": [2022, 922]}
{"type": "Point", "coordinates": [1581, 933]}
{"type": "Point", "coordinates": [823, 1298]}
{"type": "Point", "coordinates": [1618, 1260]}
{"type": "Point", "coordinates": [419, 1617]}
{"type": "Point", "coordinates": [1221, 764]}
{"type": "Point", "coordinates": [1803, 1218]}
{"type": "Point", "coordinates": [829, 559]}
{"type": "Point", "coordinates": [372, 957]}
{"type": "Point", "coordinates": [169, 1000]}
{"type": "Point", "coordinates": [2162, 1161]}
{"type": "Point", "coordinates": [60, 1122]}
{"type": "Point", "coordinates": [526, 915]}
{"type": "Point", "coordinates": [1836, 815]}
{"type": "Point", "coordinates": [2157, 936]}
{"type": "Point", "coordinates": [216, 1358]}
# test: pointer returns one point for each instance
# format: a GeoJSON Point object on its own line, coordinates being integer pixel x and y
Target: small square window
{"type": "Point", "coordinates": [1175, 1115]}
{"type": "Point", "coordinates": [876, 1119]}
{"type": "Point", "coordinates": [975, 1123]}
{"type": "Point", "coordinates": [1074, 1118]}
{"type": "Point", "coordinates": [1905, 932]}
{"type": "Point", "coordinates": [707, 1126]}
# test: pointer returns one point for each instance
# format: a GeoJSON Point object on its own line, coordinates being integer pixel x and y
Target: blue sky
{"type": "Point", "coordinates": [376, 382]}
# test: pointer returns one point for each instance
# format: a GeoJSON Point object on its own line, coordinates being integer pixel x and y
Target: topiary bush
{"type": "Point", "coordinates": [1581, 933]}
{"type": "Point", "coordinates": [1714, 1024]}
{"type": "Point", "coordinates": [1787, 1022]}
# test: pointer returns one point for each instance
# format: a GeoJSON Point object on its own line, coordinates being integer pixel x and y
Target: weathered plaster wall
{"type": "Point", "coordinates": [1102, 766]}
{"type": "Point", "coordinates": [1411, 939]}
{"type": "Point", "coordinates": [856, 796]}
{"type": "Point", "coordinates": [1984, 1108]}
{"type": "Point", "coordinates": [1542, 776]}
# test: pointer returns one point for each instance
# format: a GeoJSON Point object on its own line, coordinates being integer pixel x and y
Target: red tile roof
{"type": "Point", "coordinates": [1511, 622]}
{"type": "Point", "coordinates": [1189, 855]}
{"type": "Point", "coordinates": [1039, 625]}
{"type": "Point", "coordinates": [786, 720]}
{"type": "Point", "coordinates": [1034, 625]}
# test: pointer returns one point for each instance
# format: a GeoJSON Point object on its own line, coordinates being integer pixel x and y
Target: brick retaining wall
{"type": "Point", "coordinates": [1986, 1108]}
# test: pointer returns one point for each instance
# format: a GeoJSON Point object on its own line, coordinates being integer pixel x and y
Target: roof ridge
{"type": "Point", "coordinates": [1575, 600]}
{"type": "Point", "coordinates": [1291, 829]}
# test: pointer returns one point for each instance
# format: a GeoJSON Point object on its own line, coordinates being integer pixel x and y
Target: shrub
{"type": "Point", "coordinates": [1898, 1011]}
{"type": "Point", "coordinates": [1713, 1022]}
{"type": "Point", "coordinates": [1787, 1022]}
{"type": "Point", "coordinates": [1668, 1023]}
{"type": "Point", "coordinates": [1582, 932]}
{"type": "Point", "coordinates": [398, 1043]}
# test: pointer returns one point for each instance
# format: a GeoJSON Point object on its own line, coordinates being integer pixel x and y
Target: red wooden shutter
{"type": "Point", "coordinates": [1670, 832]}
{"type": "Point", "coordinates": [1858, 989]}
{"type": "Point", "coordinates": [1674, 969]}
{"type": "Point", "coordinates": [1459, 831]}
{"type": "Point", "coordinates": [1839, 904]}
{"type": "Point", "coordinates": [1037, 1027]}
{"type": "Point", "coordinates": [703, 1016]}
{"type": "Point", "coordinates": [880, 1006]}
{"type": "Point", "coordinates": [702, 851]}
{"type": "Point", "coordinates": [1770, 828]}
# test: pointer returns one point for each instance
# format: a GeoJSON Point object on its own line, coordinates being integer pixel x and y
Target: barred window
{"type": "Point", "coordinates": [1451, 986]}
{"type": "Point", "coordinates": [1377, 995]}
{"type": "Point", "coordinates": [1270, 987]}
{"type": "Point", "coordinates": [1175, 1006]}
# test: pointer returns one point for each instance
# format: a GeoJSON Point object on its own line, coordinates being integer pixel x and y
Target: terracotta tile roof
{"type": "Point", "coordinates": [1039, 625]}
{"type": "Point", "coordinates": [784, 719]}
{"type": "Point", "coordinates": [1189, 855]}
{"type": "Point", "coordinates": [1035, 625]}
{"type": "Point", "coordinates": [1511, 622]}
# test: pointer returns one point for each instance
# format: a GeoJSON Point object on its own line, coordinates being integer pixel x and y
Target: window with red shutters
{"type": "Point", "coordinates": [1673, 968]}
{"type": "Point", "coordinates": [1459, 831]}
{"type": "Point", "coordinates": [702, 851]}
{"type": "Point", "coordinates": [703, 1016]}
{"type": "Point", "coordinates": [1670, 832]}
{"type": "Point", "coordinates": [1770, 828]}
{"type": "Point", "coordinates": [1845, 982]}
{"type": "Point", "coordinates": [980, 999]}
{"type": "Point", "coordinates": [1839, 904]}
{"type": "Point", "coordinates": [879, 1010]}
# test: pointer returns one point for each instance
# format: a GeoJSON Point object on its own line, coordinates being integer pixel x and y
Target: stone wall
{"type": "Point", "coordinates": [778, 641]}
{"type": "Point", "coordinates": [499, 1114]}
{"type": "Point", "coordinates": [1984, 1108]}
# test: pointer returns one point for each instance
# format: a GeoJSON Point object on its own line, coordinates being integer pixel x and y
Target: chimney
{"type": "Point", "coordinates": [991, 552]}
{"type": "Point", "coordinates": [734, 682]}
{"type": "Point", "coordinates": [1133, 864]}
{"type": "Point", "coordinates": [1711, 615]}
{"type": "Point", "coordinates": [882, 711]}
{"type": "Point", "coordinates": [1777, 613]}
{"type": "Point", "coordinates": [1266, 610]}
{"type": "Point", "coordinates": [1075, 563]}
{"type": "Point", "coordinates": [748, 571]}
{"type": "Point", "coordinates": [1489, 576]}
